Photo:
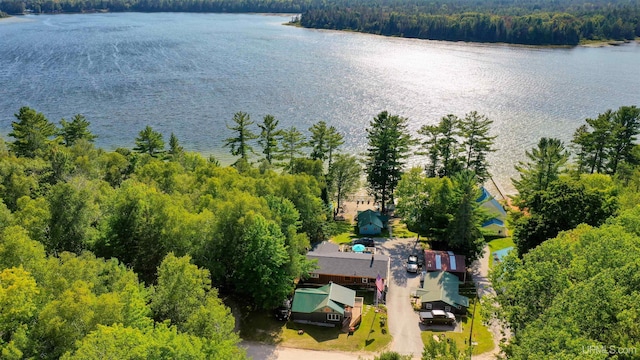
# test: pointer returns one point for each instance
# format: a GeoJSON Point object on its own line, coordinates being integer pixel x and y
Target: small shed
{"type": "Point", "coordinates": [369, 223]}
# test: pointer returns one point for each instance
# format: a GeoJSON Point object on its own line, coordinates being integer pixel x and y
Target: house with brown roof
{"type": "Point", "coordinates": [435, 260]}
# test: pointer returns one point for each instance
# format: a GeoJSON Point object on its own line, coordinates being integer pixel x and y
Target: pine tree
{"type": "Point", "coordinates": [474, 129]}
{"type": "Point", "coordinates": [149, 142]}
{"type": "Point", "coordinates": [388, 147]}
{"type": "Point", "coordinates": [240, 144]}
{"type": "Point", "coordinates": [75, 130]}
{"type": "Point", "coordinates": [268, 138]}
{"type": "Point", "coordinates": [291, 147]}
{"type": "Point", "coordinates": [32, 132]}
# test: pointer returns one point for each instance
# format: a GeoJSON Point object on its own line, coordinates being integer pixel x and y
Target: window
{"type": "Point", "coordinates": [429, 306]}
{"type": "Point", "coordinates": [314, 275]}
{"type": "Point", "coordinates": [365, 280]}
{"type": "Point", "coordinates": [447, 308]}
{"type": "Point", "coordinates": [333, 317]}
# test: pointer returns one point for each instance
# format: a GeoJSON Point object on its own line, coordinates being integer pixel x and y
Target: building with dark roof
{"type": "Point", "coordinates": [348, 268]}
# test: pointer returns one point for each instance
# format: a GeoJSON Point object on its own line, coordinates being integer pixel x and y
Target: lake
{"type": "Point", "coordinates": [189, 73]}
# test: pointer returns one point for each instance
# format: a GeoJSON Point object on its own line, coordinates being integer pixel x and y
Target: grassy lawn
{"type": "Point", "coordinates": [399, 229]}
{"type": "Point", "coordinates": [345, 231]}
{"type": "Point", "coordinates": [499, 244]}
{"type": "Point", "coordinates": [368, 337]}
{"type": "Point", "coordinates": [481, 334]}
{"type": "Point", "coordinates": [263, 327]}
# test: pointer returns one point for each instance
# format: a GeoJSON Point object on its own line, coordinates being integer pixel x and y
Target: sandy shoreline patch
{"type": "Point", "coordinates": [14, 19]}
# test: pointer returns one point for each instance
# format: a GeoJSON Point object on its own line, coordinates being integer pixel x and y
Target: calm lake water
{"type": "Point", "coordinates": [189, 73]}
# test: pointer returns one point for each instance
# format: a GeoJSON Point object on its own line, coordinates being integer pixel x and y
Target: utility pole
{"type": "Point", "coordinates": [473, 318]}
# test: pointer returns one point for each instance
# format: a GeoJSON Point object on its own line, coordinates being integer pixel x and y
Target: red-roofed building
{"type": "Point", "coordinates": [435, 260]}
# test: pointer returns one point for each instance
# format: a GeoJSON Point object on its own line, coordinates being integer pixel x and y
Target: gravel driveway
{"type": "Point", "coordinates": [404, 323]}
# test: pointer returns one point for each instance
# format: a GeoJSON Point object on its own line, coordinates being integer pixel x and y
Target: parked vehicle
{"type": "Point", "coordinates": [437, 317]}
{"type": "Point", "coordinates": [283, 312]}
{"type": "Point", "coordinates": [412, 264]}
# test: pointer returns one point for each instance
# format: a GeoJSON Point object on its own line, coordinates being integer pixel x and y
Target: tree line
{"type": "Point", "coordinates": [537, 23]}
{"type": "Point", "coordinates": [225, 6]}
{"type": "Point", "coordinates": [557, 194]}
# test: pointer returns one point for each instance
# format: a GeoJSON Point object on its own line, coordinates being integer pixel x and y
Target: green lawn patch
{"type": "Point", "coordinates": [343, 232]}
{"type": "Point", "coordinates": [369, 336]}
{"type": "Point", "coordinates": [499, 244]}
{"type": "Point", "coordinates": [399, 229]}
{"type": "Point", "coordinates": [481, 334]}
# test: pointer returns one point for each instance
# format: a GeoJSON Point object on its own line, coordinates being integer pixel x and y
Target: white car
{"type": "Point", "coordinates": [412, 264]}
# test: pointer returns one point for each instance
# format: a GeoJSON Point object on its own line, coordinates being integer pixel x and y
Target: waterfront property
{"type": "Point", "coordinates": [495, 224]}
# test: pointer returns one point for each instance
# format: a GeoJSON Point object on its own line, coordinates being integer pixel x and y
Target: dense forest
{"type": "Point", "coordinates": [531, 23]}
{"type": "Point", "coordinates": [177, 230]}
{"type": "Point", "coordinates": [539, 22]}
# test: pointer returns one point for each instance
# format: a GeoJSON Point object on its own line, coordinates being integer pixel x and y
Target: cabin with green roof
{"type": "Point", "coordinates": [330, 305]}
{"type": "Point", "coordinates": [370, 222]}
{"type": "Point", "coordinates": [440, 291]}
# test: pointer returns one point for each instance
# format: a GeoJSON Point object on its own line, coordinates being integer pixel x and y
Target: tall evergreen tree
{"type": "Point", "coordinates": [175, 148]}
{"type": "Point", "coordinates": [592, 141]}
{"type": "Point", "coordinates": [626, 125]}
{"type": "Point", "coordinates": [474, 129]}
{"type": "Point", "coordinates": [75, 130]}
{"type": "Point", "coordinates": [240, 144]}
{"type": "Point", "coordinates": [388, 147]}
{"type": "Point", "coordinates": [334, 140]}
{"type": "Point", "coordinates": [432, 133]}
{"type": "Point", "coordinates": [318, 141]}
{"type": "Point", "coordinates": [544, 165]}
{"type": "Point", "coordinates": [292, 144]}
{"type": "Point", "coordinates": [448, 146]}
{"type": "Point", "coordinates": [32, 132]}
{"type": "Point", "coordinates": [463, 234]}
{"type": "Point", "coordinates": [344, 175]}
{"type": "Point", "coordinates": [268, 138]}
{"type": "Point", "coordinates": [149, 142]}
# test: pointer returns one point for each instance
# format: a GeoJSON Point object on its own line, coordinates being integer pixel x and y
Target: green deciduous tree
{"type": "Point", "coordinates": [388, 147]}
{"type": "Point", "coordinates": [75, 130]}
{"type": "Point", "coordinates": [149, 142]}
{"type": "Point", "coordinates": [563, 206]}
{"type": "Point", "coordinates": [445, 349]}
{"type": "Point", "coordinates": [74, 215]}
{"type": "Point", "coordinates": [243, 135]}
{"type": "Point", "coordinates": [32, 133]}
{"type": "Point", "coordinates": [181, 290]}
